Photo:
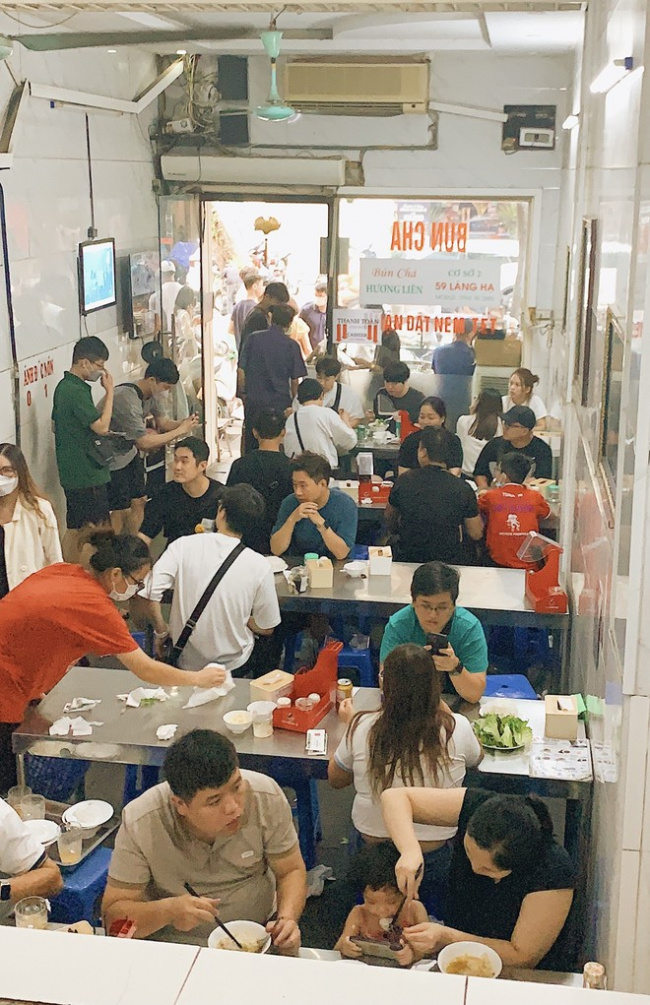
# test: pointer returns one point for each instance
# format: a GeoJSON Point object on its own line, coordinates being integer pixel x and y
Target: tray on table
{"type": "Point", "coordinates": [54, 811]}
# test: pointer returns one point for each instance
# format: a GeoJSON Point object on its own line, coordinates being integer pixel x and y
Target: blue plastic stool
{"type": "Point", "coordinates": [83, 888]}
{"type": "Point", "coordinates": [307, 808]}
{"type": "Point", "coordinates": [359, 553]}
{"type": "Point", "coordinates": [136, 783]}
{"type": "Point", "coordinates": [56, 778]}
{"type": "Point", "coordinates": [509, 685]}
{"type": "Point", "coordinates": [361, 660]}
{"type": "Point", "coordinates": [141, 639]}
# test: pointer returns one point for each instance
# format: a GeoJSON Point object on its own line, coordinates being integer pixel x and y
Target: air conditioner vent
{"type": "Point", "coordinates": [356, 83]}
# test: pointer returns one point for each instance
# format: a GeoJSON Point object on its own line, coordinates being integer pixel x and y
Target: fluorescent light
{"type": "Point", "coordinates": [571, 121]}
{"type": "Point", "coordinates": [149, 20]}
{"type": "Point", "coordinates": [181, 52]}
{"type": "Point", "coordinates": [611, 74]}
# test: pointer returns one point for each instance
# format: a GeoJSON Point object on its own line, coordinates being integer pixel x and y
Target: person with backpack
{"type": "Point", "coordinates": [132, 404]}
{"type": "Point", "coordinates": [268, 470]}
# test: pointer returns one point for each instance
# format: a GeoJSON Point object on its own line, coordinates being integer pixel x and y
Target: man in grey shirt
{"type": "Point", "coordinates": [132, 404]}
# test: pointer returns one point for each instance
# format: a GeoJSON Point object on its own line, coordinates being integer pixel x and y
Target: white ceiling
{"type": "Point", "coordinates": [426, 28]}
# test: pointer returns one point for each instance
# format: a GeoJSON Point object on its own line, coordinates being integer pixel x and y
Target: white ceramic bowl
{"type": "Point", "coordinates": [45, 831]}
{"type": "Point", "coordinates": [230, 719]}
{"type": "Point", "coordinates": [245, 931]}
{"type": "Point", "coordinates": [89, 815]}
{"type": "Point", "coordinates": [449, 953]}
{"type": "Point", "coordinates": [355, 569]}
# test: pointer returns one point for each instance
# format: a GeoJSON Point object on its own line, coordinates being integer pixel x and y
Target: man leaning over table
{"type": "Point", "coordinates": [434, 592]}
{"type": "Point", "coordinates": [25, 869]}
{"type": "Point", "coordinates": [227, 833]}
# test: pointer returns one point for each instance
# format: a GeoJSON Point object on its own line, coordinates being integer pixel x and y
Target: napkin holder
{"type": "Point", "coordinates": [271, 686]}
{"type": "Point", "coordinates": [321, 679]}
{"type": "Point", "coordinates": [543, 590]}
{"type": "Point", "coordinates": [380, 561]}
{"type": "Point", "coordinates": [561, 717]}
{"type": "Point", "coordinates": [320, 572]}
{"type": "Point", "coordinates": [349, 488]}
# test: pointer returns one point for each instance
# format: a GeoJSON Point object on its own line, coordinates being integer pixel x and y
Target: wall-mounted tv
{"type": "Point", "coordinates": [96, 275]}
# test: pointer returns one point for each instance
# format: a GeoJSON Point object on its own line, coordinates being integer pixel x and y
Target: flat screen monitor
{"type": "Point", "coordinates": [97, 275]}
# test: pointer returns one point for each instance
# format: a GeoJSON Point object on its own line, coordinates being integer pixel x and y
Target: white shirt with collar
{"type": "Point", "coordinates": [247, 590]}
{"type": "Point", "coordinates": [322, 431]}
{"type": "Point", "coordinates": [31, 541]}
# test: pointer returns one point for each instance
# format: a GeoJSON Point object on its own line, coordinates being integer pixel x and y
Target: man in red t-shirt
{"type": "Point", "coordinates": [512, 511]}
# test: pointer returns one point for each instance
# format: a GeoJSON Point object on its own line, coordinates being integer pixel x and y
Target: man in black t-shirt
{"type": "Point", "coordinates": [258, 319]}
{"type": "Point", "coordinates": [184, 503]}
{"type": "Point", "coordinates": [268, 470]}
{"type": "Point", "coordinates": [433, 512]}
{"type": "Point", "coordinates": [396, 395]}
{"type": "Point", "coordinates": [518, 424]}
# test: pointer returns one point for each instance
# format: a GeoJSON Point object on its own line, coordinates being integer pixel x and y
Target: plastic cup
{"type": "Point", "coordinates": [31, 912]}
{"type": "Point", "coordinates": [262, 712]}
{"type": "Point", "coordinates": [16, 795]}
{"type": "Point", "coordinates": [32, 807]}
{"type": "Point", "coordinates": [70, 843]}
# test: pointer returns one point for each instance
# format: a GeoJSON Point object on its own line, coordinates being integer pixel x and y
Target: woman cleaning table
{"type": "Point", "coordinates": [61, 613]}
{"type": "Point", "coordinates": [413, 740]}
{"type": "Point", "coordinates": [510, 884]}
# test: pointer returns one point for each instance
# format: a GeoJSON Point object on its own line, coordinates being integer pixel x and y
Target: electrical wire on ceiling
{"type": "Point", "coordinates": [25, 24]}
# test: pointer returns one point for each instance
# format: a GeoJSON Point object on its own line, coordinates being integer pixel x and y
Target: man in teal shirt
{"type": "Point", "coordinates": [434, 590]}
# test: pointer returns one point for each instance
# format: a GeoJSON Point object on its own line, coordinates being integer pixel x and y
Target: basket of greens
{"type": "Point", "coordinates": [502, 732]}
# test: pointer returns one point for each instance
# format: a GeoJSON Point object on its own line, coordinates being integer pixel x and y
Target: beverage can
{"type": "Point", "coordinates": [343, 689]}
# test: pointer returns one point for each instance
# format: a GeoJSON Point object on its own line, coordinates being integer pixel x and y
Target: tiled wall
{"type": "Point", "coordinates": [48, 214]}
{"type": "Point", "coordinates": [605, 544]}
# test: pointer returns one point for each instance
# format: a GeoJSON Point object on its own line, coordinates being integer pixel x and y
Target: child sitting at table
{"type": "Point", "coordinates": [512, 510]}
{"type": "Point", "coordinates": [373, 875]}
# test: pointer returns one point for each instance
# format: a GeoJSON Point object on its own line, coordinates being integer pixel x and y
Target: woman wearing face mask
{"type": "Point", "coordinates": [433, 412]}
{"type": "Point", "coordinates": [510, 883]}
{"type": "Point", "coordinates": [29, 535]}
{"type": "Point", "coordinates": [63, 612]}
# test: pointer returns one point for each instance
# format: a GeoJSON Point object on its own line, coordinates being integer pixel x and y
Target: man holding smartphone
{"type": "Point", "coordinates": [454, 636]}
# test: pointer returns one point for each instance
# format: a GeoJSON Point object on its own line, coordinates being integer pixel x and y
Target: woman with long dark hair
{"type": "Point", "coordinates": [59, 614]}
{"type": "Point", "coordinates": [482, 424]}
{"type": "Point", "coordinates": [521, 391]}
{"type": "Point", "coordinates": [29, 533]}
{"type": "Point", "coordinates": [413, 740]}
{"type": "Point", "coordinates": [433, 412]}
{"type": "Point", "coordinates": [510, 884]}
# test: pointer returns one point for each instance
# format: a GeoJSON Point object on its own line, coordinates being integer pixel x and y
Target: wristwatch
{"type": "Point", "coordinates": [324, 526]}
{"type": "Point", "coordinates": [5, 889]}
{"type": "Point", "coordinates": [458, 669]}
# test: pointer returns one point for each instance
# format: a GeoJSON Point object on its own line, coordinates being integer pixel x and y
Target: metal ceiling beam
{"type": "Point", "coordinates": [179, 7]}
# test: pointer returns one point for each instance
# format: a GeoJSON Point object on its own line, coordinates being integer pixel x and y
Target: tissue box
{"type": "Point", "coordinates": [273, 685]}
{"type": "Point", "coordinates": [320, 572]}
{"type": "Point", "coordinates": [380, 561]}
{"type": "Point", "coordinates": [561, 717]}
{"type": "Point", "coordinates": [350, 489]}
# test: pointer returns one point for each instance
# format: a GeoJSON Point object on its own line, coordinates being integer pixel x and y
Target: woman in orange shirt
{"type": "Point", "coordinates": [59, 614]}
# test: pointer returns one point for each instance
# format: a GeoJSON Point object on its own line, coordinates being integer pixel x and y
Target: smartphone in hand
{"type": "Point", "coordinates": [437, 641]}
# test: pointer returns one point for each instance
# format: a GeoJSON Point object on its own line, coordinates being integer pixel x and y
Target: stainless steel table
{"type": "Point", "coordinates": [495, 596]}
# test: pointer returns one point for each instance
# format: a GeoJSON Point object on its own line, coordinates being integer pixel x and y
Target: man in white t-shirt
{"type": "Point", "coordinates": [245, 602]}
{"type": "Point", "coordinates": [24, 864]}
{"type": "Point", "coordinates": [338, 396]}
{"type": "Point", "coordinates": [170, 290]}
{"type": "Point", "coordinates": [317, 429]}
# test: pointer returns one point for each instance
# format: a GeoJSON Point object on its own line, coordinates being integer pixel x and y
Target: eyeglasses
{"type": "Point", "coordinates": [438, 609]}
{"type": "Point", "coordinates": [140, 583]}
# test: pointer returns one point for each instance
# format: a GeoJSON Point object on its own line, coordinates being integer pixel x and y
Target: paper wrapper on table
{"type": "Point", "coordinates": [376, 493]}
{"type": "Point", "coordinates": [561, 717]}
{"type": "Point", "coordinates": [273, 685]}
{"type": "Point", "coordinates": [321, 680]}
{"type": "Point", "coordinates": [349, 489]}
{"type": "Point", "coordinates": [320, 572]}
{"type": "Point", "coordinates": [380, 561]}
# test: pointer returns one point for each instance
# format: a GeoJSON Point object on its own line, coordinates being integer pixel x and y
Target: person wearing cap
{"type": "Point", "coordinates": [517, 437]}
{"type": "Point", "coordinates": [170, 290]}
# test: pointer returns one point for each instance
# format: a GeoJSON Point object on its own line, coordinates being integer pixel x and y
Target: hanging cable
{"type": "Point", "coordinates": [92, 233]}
{"type": "Point", "coordinates": [10, 314]}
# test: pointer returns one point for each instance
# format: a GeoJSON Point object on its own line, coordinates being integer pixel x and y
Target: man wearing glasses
{"type": "Point", "coordinates": [462, 654]}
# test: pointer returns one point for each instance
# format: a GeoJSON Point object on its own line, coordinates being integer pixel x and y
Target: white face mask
{"type": "Point", "coordinates": [130, 591]}
{"type": "Point", "coordinates": [94, 375]}
{"type": "Point", "coordinates": [7, 485]}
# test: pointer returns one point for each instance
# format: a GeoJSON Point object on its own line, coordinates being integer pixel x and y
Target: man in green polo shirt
{"type": "Point", "coordinates": [77, 422]}
{"type": "Point", "coordinates": [434, 590]}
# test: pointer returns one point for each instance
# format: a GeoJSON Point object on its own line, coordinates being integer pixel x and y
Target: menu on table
{"type": "Point", "coordinates": [566, 760]}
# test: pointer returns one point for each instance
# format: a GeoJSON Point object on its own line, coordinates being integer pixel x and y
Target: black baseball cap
{"type": "Point", "coordinates": [520, 415]}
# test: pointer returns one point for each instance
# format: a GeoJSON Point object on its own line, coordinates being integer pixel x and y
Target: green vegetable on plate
{"type": "Point", "coordinates": [502, 731]}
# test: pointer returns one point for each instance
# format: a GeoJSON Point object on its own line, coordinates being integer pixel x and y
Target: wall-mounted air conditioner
{"type": "Point", "coordinates": [357, 86]}
{"type": "Point", "coordinates": [208, 169]}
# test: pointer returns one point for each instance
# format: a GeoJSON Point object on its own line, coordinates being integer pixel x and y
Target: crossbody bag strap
{"type": "Point", "coordinates": [190, 625]}
{"type": "Point", "coordinates": [295, 419]}
{"type": "Point", "coordinates": [337, 399]}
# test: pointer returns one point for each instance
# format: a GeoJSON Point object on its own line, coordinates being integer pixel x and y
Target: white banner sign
{"type": "Point", "coordinates": [356, 325]}
{"type": "Point", "coordinates": [453, 285]}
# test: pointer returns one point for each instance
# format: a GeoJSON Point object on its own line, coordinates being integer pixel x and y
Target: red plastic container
{"type": "Point", "coordinates": [320, 680]}
{"type": "Point", "coordinates": [407, 427]}
{"type": "Point", "coordinates": [376, 492]}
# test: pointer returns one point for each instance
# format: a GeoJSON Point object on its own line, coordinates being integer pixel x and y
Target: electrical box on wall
{"type": "Point", "coordinates": [528, 127]}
